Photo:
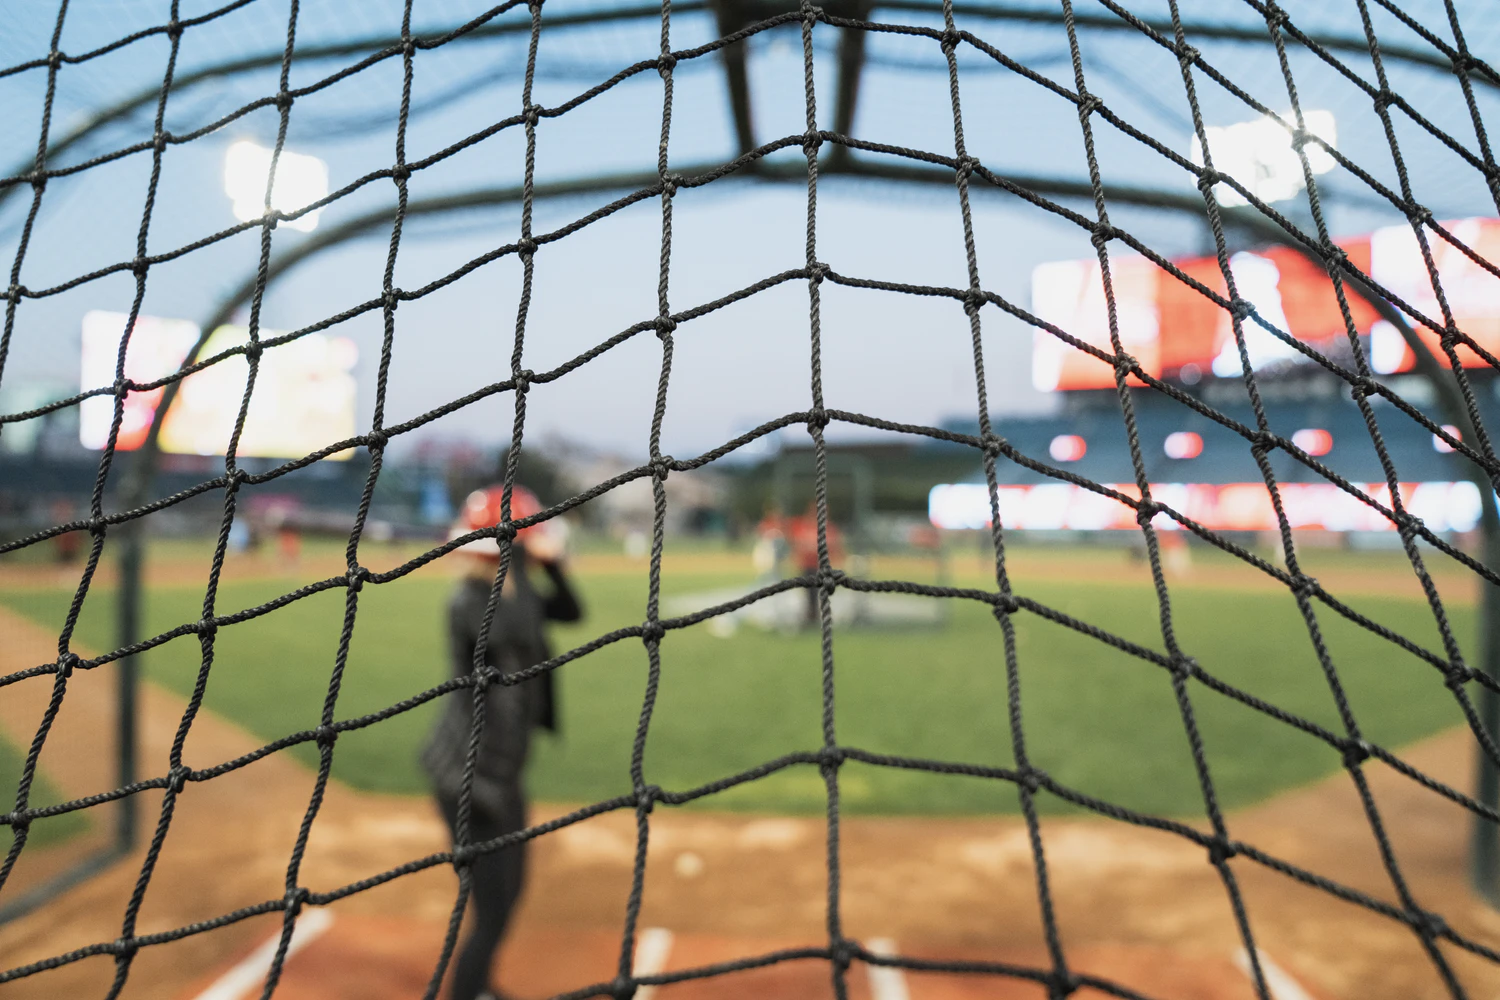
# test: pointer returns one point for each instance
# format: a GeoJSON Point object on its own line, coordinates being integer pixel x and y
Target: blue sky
{"type": "Point", "coordinates": [898, 357]}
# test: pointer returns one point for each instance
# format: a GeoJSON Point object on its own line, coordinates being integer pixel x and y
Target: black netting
{"type": "Point", "coordinates": [822, 148]}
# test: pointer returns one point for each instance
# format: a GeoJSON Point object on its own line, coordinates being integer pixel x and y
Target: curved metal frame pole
{"type": "Point", "coordinates": [1100, 22]}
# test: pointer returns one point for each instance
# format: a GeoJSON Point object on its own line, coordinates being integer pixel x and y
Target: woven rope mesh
{"type": "Point", "coordinates": [928, 37]}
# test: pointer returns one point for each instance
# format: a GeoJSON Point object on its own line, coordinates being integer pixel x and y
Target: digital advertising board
{"type": "Point", "coordinates": [303, 400]}
{"type": "Point", "coordinates": [1177, 333]}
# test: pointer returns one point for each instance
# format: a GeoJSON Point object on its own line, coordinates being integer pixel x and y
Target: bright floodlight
{"type": "Point", "coordinates": [300, 180]}
{"type": "Point", "coordinates": [1259, 154]}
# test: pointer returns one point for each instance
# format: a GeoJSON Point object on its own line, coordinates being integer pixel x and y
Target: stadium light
{"type": "Point", "coordinates": [1067, 448]}
{"type": "Point", "coordinates": [300, 180]}
{"type": "Point", "coordinates": [1183, 445]}
{"type": "Point", "coordinates": [1260, 155]}
{"type": "Point", "coordinates": [1313, 440]}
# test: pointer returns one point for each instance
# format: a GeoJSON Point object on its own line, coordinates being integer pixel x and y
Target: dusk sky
{"type": "Point", "coordinates": [894, 356]}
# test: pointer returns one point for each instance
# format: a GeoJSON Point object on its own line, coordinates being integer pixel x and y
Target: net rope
{"type": "Point", "coordinates": [1189, 680]}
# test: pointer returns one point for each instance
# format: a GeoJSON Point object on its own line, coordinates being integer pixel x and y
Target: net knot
{"type": "Point", "coordinates": [950, 40]}
{"type": "Point", "coordinates": [206, 627]}
{"type": "Point", "coordinates": [283, 100]}
{"type": "Point", "coordinates": [1384, 98]}
{"type": "Point", "coordinates": [622, 988]}
{"type": "Point", "coordinates": [829, 579]}
{"type": "Point", "coordinates": [1304, 585]}
{"type": "Point", "coordinates": [1062, 984]}
{"type": "Point", "coordinates": [1419, 215]}
{"type": "Point", "coordinates": [647, 797]}
{"type": "Point", "coordinates": [831, 758]}
{"type": "Point", "coordinates": [817, 272]}
{"type": "Point", "coordinates": [16, 820]}
{"type": "Point", "coordinates": [325, 736]}
{"type": "Point", "coordinates": [177, 778]}
{"type": "Point", "coordinates": [1006, 604]}
{"type": "Point", "coordinates": [159, 141]}
{"type": "Point", "coordinates": [818, 419]}
{"type": "Point", "coordinates": [1334, 254]}
{"type": "Point", "coordinates": [1275, 16]}
{"type": "Point", "coordinates": [38, 180]}
{"type": "Point", "coordinates": [1088, 104]}
{"type": "Point", "coordinates": [669, 184]}
{"type": "Point", "coordinates": [1429, 925]}
{"type": "Point", "coordinates": [523, 380]}
{"type": "Point", "coordinates": [464, 855]}
{"type": "Point", "coordinates": [1207, 178]}
{"type": "Point", "coordinates": [992, 445]}
{"type": "Point", "coordinates": [1126, 364]}
{"type": "Point", "coordinates": [662, 466]}
{"type": "Point", "coordinates": [843, 952]}
{"type": "Point", "coordinates": [408, 47]}
{"type": "Point", "coordinates": [1356, 752]}
{"type": "Point", "coordinates": [376, 440]}
{"type": "Point", "coordinates": [665, 326]}
{"type": "Point", "coordinates": [526, 246]}
{"type": "Point", "coordinates": [1033, 778]}
{"type": "Point", "coordinates": [1186, 54]}
{"type": "Point", "coordinates": [1184, 668]}
{"type": "Point", "coordinates": [356, 578]}
{"type": "Point", "coordinates": [974, 298]}
{"type": "Point", "coordinates": [966, 165]}
{"type": "Point", "coordinates": [1220, 851]}
{"type": "Point", "coordinates": [66, 664]}
{"type": "Point", "coordinates": [811, 12]}
{"type": "Point", "coordinates": [1146, 510]}
{"type": "Point", "coordinates": [532, 114]}
{"type": "Point", "coordinates": [812, 141]}
{"type": "Point", "coordinates": [666, 64]}
{"type": "Point", "coordinates": [1456, 678]}
{"type": "Point", "coordinates": [54, 59]}
{"type": "Point", "coordinates": [652, 631]}
{"type": "Point", "coordinates": [124, 947]}
{"type": "Point", "coordinates": [1103, 233]}
{"type": "Point", "coordinates": [400, 172]}
{"type": "Point", "coordinates": [391, 299]}
{"type": "Point", "coordinates": [97, 525]}
{"type": "Point", "coordinates": [1264, 441]}
{"type": "Point", "coordinates": [15, 292]}
{"type": "Point", "coordinates": [174, 29]}
{"type": "Point", "coordinates": [1406, 525]}
{"type": "Point", "coordinates": [1300, 138]}
{"type": "Point", "coordinates": [1240, 308]}
{"type": "Point", "coordinates": [138, 266]}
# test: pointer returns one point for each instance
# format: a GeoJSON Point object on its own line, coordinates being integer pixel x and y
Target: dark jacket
{"type": "Point", "coordinates": [516, 641]}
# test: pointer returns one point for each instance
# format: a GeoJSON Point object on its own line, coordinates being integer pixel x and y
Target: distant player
{"type": "Point", "coordinates": [802, 536]}
{"type": "Point", "coordinates": [516, 641]}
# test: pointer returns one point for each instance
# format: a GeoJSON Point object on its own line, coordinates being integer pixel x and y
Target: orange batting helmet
{"type": "Point", "coordinates": [482, 510]}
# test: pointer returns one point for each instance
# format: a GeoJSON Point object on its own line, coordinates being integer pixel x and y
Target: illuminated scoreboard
{"type": "Point", "coordinates": [1178, 333]}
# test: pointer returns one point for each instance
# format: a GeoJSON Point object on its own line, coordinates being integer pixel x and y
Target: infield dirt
{"type": "Point", "coordinates": [1136, 905]}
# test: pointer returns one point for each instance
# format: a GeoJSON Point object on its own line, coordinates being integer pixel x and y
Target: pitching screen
{"type": "Point", "coordinates": [303, 398]}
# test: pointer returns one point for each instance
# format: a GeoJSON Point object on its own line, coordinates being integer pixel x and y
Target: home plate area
{"type": "Point", "coordinates": [373, 958]}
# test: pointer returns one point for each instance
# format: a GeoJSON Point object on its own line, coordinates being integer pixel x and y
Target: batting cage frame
{"type": "Point", "coordinates": [828, 153]}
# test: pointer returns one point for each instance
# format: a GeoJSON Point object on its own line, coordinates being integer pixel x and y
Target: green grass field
{"type": "Point", "coordinates": [1099, 720]}
{"type": "Point", "coordinates": [44, 832]}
